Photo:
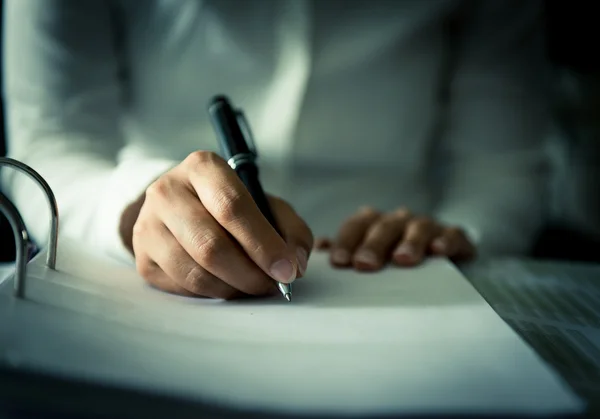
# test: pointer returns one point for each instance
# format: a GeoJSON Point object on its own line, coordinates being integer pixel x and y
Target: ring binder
{"type": "Point", "coordinates": [21, 235]}
{"type": "Point", "coordinates": [21, 240]}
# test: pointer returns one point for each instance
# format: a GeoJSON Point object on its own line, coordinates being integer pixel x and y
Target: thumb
{"type": "Point", "coordinates": [295, 232]}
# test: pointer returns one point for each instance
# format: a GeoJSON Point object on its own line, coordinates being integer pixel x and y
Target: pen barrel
{"type": "Point", "coordinates": [231, 138]}
{"type": "Point", "coordinates": [248, 173]}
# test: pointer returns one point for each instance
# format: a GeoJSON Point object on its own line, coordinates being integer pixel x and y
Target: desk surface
{"type": "Point", "coordinates": [555, 307]}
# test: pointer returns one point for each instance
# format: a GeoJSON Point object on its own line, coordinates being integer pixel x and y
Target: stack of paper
{"type": "Point", "coordinates": [6, 270]}
{"type": "Point", "coordinates": [399, 341]}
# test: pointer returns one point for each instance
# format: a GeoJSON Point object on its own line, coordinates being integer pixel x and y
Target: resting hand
{"type": "Point", "coordinates": [368, 240]}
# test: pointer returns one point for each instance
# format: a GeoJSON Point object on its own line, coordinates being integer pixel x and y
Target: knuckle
{"type": "Point", "coordinates": [208, 247]}
{"type": "Point", "coordinates": [140, 229]}
{"type": "Point", "coordinates": [404, 210]}
{"type": "Point", "coordinates": [159, 188]}
{"type": "Point", "coordinates": [403, 213]}
{"type": "Point", "coordinates": [365, 215]}
{"type": "Point", "coordinates": [195, 280]}
{"type": "Point", "coordinates": [422, 223]}
{"type": "Point", "coordinates": [202, 158]}
{"type": "Point", "coordinates": [367, 210]}
{"type": "Point", "coordinates": [145, 268]}
{"type": "Point", "coordinates": [230, 205]}
{"type": "Point", "coordinates": [350, 225]}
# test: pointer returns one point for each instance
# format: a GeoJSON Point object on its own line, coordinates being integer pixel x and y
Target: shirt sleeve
{"type": "Point", "coordinates": [63, 100]}
{"type": "Point", "coordinates": [496, 181]}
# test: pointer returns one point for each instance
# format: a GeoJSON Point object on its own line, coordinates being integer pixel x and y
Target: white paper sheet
{"type": "Point", "coordinates": [406, 341]}
{"type": "Point", "coordinates": [5, 270]}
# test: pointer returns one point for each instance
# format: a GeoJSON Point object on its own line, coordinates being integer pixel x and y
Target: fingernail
{"type": "Point", "coordinates": [404, 250]}
{"type": "Point", "coordinates": [341, 256]}
{"type": "Point", "coordinates": [302, 256]}
{"type": "Point", "coordinates": [439, 245]}
{"type": "Point", "coordinates": [283, 271]}
{"type": "Point", "coordinates": [367, 257]}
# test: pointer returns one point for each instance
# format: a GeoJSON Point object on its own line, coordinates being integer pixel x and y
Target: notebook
{"type": "Point", "coordinates": [416, 341]}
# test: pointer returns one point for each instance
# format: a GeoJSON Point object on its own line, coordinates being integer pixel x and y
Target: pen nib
{"type": "Point", "coordinates": [288, 296]}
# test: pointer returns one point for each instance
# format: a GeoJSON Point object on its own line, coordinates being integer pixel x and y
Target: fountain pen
{"type": "Point", "coordinates": [237, 147]}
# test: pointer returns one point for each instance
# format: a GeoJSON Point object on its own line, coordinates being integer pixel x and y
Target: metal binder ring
{"type": "Point", "coordinates": [19, 227]}
{"type": "Point", "coordinates": [21, 240]}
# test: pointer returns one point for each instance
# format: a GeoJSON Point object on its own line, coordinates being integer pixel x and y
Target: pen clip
{"type": "Point", "coordinates": [245, 128]}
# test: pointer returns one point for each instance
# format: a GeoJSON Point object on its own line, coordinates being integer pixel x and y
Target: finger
{"type": "Point", "coordinates": [150, 271]}
{"type": "Point", "coordinates": [157, 278]}
{"type": "Point", "coordinates": [178, 265]}
{"type": "Point", "coordinates": [351, 235]}
{"type": "Point", "coordinates": [226, 198]}
{"type": "Point", "coordinates": [417, 237]}
{"type": "Point", "coordinates": [453, 243]}
{"type": "Point", "coordinates": [207, 243]}
{"type": "Point", "coordinates": [322, 243]}
{"type": "Point", "coordinates": [380, 239]}
{"type": "Point", "coordinates": [295, 231]}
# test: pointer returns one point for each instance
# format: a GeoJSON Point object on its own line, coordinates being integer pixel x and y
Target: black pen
{"type": "Point", "coordinates": [237, 147]}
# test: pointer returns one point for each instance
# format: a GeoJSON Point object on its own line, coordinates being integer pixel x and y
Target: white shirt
{"type": "Point", "coordinates": [343, 98]}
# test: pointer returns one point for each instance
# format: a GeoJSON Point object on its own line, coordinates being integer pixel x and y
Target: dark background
{"type": "Point", "coordinates": [572, 31]}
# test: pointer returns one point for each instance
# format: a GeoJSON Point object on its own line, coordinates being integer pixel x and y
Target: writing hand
{"type": "Point", "coordinates": [200, 233]}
